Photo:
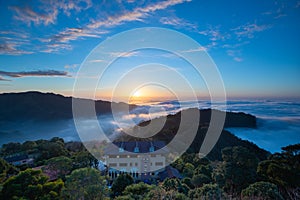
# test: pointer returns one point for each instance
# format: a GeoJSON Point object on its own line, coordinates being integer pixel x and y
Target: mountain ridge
{"type": "Point", "coordinates": [226, 139]}
{"type": "Point", "coordinates": [45, 106]}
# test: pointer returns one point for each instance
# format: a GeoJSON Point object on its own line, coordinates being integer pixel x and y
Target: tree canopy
{"type": "Point", "coordinates": [238, 169]}
{"type": "Point", "coordinates": [31, 184]}
{"type": "Point", "coordinates": [85, 183]}
{"type": "Point", "coordinates": [121, 182]}
{"type": "Point", "coordinates": [261, 190]}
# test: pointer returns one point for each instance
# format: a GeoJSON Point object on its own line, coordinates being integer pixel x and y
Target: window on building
{"type": "Point", "coordinates": [112, 164]}
{"type": "Point", "coordinates": [122, 164]}
{"type": "Point", "coordinates": [159, 163]}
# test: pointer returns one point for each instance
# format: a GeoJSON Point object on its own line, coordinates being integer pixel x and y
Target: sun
{"type": "Point", "coordinates": [137, 97]}
{"type": "Point", "coordinates": [137, 94]}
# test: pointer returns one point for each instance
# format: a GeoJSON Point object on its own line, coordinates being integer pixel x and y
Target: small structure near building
{"type": "Point", "coordinates": [169, 172]}
{"type": "Point", "coordinates": [143, 160]}
{"type": "Point", "coordinates": [19, 159]}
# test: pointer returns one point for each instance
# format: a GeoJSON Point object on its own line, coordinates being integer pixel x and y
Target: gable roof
{"type": "Point", "coordinates": [16, 158]}
{"type": "Point", "coordinates": [132, 147]}
{"type": "Point", "coordinates": [169, 172]}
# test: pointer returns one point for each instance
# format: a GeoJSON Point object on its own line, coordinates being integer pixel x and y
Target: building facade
{"type": "Point", "coordinates": [142, 160]}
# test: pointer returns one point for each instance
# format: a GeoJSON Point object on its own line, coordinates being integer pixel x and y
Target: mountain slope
{"type": "Point", "coordinates": [171, 126]}
{"type": "Point", "coordinates": [43, 106]}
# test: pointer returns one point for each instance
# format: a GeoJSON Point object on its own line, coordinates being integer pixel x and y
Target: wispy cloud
{"type": "Point", "coordinates": [233, 40]}
{"type": "Point", "coordinates": [45, 13]}
{"type": "Point", "coordinates": [28, 16]}
{"type": "Point", "coordinates": [58, 41]}
{"type": "Point", "coordinates": [97, 61]}
{"type": "Point", "coordinates": [138, 14]}
{"type": "Point", "coordinates": [235, 54]}
{"type": "Point", "coordinates": [12, 48]}
{"type": "Point", "coordinates": [214, 33]}
{"type": "Point", "coordinates": [178, 22]}
{"type": "Point", "coordinates": [235, 45]}
{"type": "Point", "coordinates": [195, 50]}
{"type": "Point", "coordinates": [33, 73]}
{"type": "Point", "coordinates": [68, 5]}
{"type": "Point", "coordinates": [73, 66]}
{"type": "Point", "coordinates": [278, 12]}
{"type": "Point", "coordinates": [248, 30]}
{"type": "Point", "coordinates": [11, 42]}
{"type": "Point", "coordinates": [48, 11]}
{"type": "Point", "coordinates": [124, 54]}
{"type": "Point", "coordinates": [3, 79]}
{"type": "Point", "coordinates": [75, 33]}
{"type": "Point", "coordinates": [238, 59]}
{"type": "Point", "coordinates": [280, 15]}
{"type": "Point", "coordinates": [17, 34]}
{"type": "Point", "coordinates": [55, 47]}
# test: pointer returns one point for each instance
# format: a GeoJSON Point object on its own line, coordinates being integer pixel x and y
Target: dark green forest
{"type": "Point", "coordinates": [240, 173]}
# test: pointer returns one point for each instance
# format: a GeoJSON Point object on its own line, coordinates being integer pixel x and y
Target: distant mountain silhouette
{"type": "Point", "coordinates": [43, 106]}
{"type": "Point", "coordinates": [226, 139]}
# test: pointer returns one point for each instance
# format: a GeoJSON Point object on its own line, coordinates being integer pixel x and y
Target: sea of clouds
{"type": "Point", "coordinates": [278, 122]}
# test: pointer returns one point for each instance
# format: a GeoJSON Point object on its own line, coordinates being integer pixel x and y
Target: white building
{"type": "Point", "coordinates": [140, 159]}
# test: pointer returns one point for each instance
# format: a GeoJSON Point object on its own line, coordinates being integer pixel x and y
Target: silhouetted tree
{"type": "Point", "coordinates": [137, 191]}
{"type": "Point", "coordinates": [85, 183]}
{"type": "Point", "coordinates": [200, 179]}
{"type": "Point", "coordinates": [62, 165]}
{"type": "Point", "coordinates": [237, 171]}
{"type": "Point", "coordinates": [261, 190]}
{"type": "Point", "coordinates": [188, 170]}
{"type": "Point", "coordinates": [171, 184]}
{"type": "Point", "coordinates": [11, 148]}
{"type": "Point", "coordinates": [156, 192]}
{"type": "Point", "coordinates": [85, 159]}
{"type": "Point", "coordinates": [121, 182]}
{"type": "Point", "coordinates": [207, 191]}
{"type": "Point", "coordinates": [283, 169]}
{"type": "Point", "coordinates": [32, 185]}
{"type": "Point", "coordinates": [6, 170]}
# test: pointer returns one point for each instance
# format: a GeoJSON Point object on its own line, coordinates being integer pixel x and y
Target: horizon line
{"type": "Point", "coordinates": [148, 99]}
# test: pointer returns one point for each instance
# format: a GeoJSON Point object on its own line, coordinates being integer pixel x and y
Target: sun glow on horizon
{"type": "Point", "coordinates": [137, 94]}
{"type": "Point", "coordinates": [150, 93]}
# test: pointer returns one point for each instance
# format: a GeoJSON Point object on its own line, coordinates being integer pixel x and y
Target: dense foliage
{"type": "Point", "coordinates": [31, 184]}
{"type": "Point", "coordinates": [262, 190]}
{"type": "Point", "coordinates": [120, 184]}
{"type": "Point", "coordinates": [85, 183]}
{"type": "Point", "coordinates": [241, 174]}
{"type": "Point", "coordinates": [6, 170]}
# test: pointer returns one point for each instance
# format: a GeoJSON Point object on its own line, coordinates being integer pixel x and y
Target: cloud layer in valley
{"type": "Point", "coordinates": [278, 123]}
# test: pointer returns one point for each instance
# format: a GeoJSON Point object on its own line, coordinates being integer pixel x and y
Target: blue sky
{"type": "Point", "coordinates": [255, 44]}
